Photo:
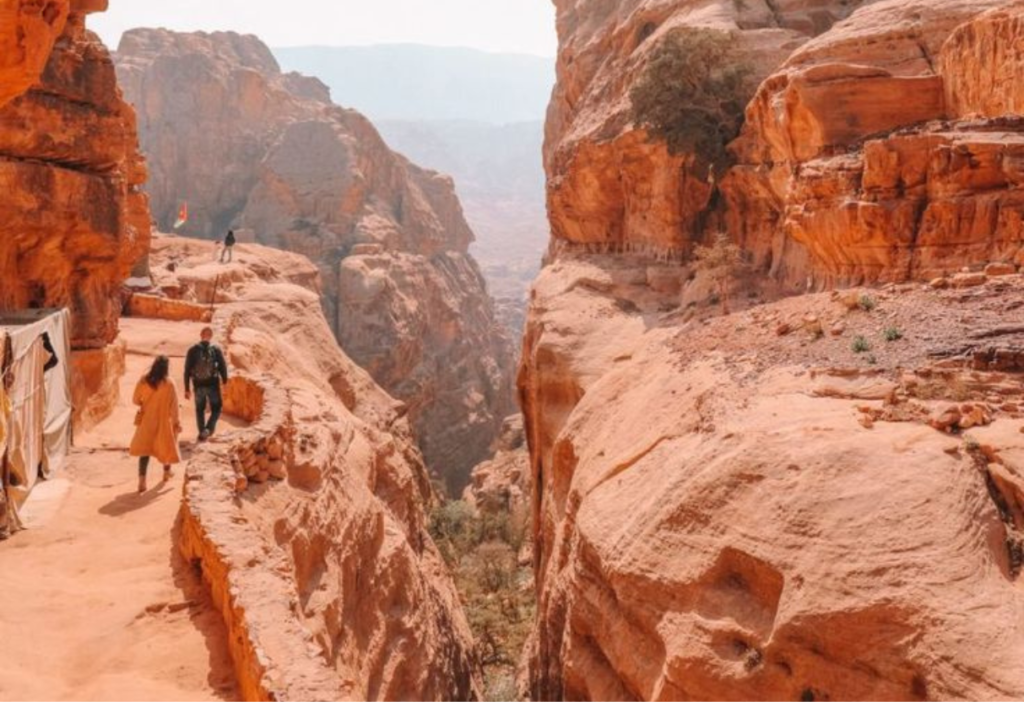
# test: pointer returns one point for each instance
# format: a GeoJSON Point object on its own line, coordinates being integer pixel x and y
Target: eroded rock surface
{"type": "Point", "coordinates": [881, 145]}
{"type": "Point", "coordinates": [268, 154]}
{"type": "Point", "coordinates": [27, 33]}
{"type": "Point", "coordinates": [502, 485]}
{"type": "Point", "coordinates": [726, 513]}
{"type": "Point", "coordinates": [74, 219]}
{"type": "Point", "coordinates": [311, 523]}
{"type": "Point", "coordinates": [869, 154]}
{"type": "Point", "coordinates": [800, 500]}
{"type": "Point", "coordinates": [609, 187]}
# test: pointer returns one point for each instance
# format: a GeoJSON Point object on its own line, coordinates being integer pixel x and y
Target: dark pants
{"type": "Point", "coordinates": [207, 395]}
{"type": "Point", "coordinates": [227, 253]}
{"type": "Point", "coordinates": [144, 466]}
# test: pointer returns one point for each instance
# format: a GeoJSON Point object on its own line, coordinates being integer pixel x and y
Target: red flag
{"type": "Point", "coordinates": [182, 216]}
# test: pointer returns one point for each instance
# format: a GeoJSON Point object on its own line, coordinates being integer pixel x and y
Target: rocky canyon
{"type": "Point", "coordinates": [813, 497]}
{"type": "Point", "coordinates": [301, 545]}
{"type": "Point", "coordinates": [268, 154]}
{"type": "Point", "coordinates": [772, 431]}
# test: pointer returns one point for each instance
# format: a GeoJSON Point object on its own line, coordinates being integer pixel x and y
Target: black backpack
{"type": "Point", "coordinates": [204, 369]}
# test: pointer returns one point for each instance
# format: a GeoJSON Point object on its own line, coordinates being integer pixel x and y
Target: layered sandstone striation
{"type": "Point", "coordinates": [609, 187]}
{"type": "Point", "coordinates": [268, 154]}
{"type": "Point", "coordinates": [800, 500]}
{"type": "Point", "coordinates": [880, 146]}
{"type": "Point", "coordinates": [882, 150]}
{"type": "Point", "coordinates": [310, 523]}
{"type": "Point", "coordinates": [74, 217]}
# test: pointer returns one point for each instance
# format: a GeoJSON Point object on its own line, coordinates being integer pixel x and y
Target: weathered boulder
{"type": "Point", "coordinates": [716, 517]}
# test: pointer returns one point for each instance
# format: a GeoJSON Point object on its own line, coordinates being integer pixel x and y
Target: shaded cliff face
{"type": "Point", "coordinates": [75, 220]}
{"type": "Point", "coordinates": [268, 154]}
{"type": "Point", "coordinates": [797, 501]}
{"type": "Point", "coordinates": [332, 584]}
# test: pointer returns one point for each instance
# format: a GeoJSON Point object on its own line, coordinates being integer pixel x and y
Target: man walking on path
{"type": "Point", "coordinates": [206, 369]}
{"type": "Point", "coordinates": [229, 245]}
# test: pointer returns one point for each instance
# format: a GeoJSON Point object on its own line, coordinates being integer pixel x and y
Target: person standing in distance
{"type": "Point", "coordinates": [205, 369]}
{"type": "Point", "coordinates": [229, 247]}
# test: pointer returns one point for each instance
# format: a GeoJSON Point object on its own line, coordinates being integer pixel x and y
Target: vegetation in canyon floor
{"type": "Point", "coordinates": [484, 552]}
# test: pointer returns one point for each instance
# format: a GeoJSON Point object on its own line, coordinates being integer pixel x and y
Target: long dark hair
{"type": "Point", "coordinates": [158, 373]}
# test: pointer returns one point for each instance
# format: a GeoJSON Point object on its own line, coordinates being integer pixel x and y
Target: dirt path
{"type": "Point", "coordinates": [97, 602]}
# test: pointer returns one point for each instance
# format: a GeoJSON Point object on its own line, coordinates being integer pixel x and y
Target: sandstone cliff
{"type": "Point", "coordinates": [75, 221]}
{"type": "Point", "coordinates": [867, 152]}
{"type": "Point", "coordinates": [310, 524]}
{"type": "Point", "coordinates": [726, 513]}
{"type": "Point", "coordinates": [869, 155]}
{"type": "Point", "coordinates": [800, 500]}
{"type": "Point", "coordinates": [269, 154]}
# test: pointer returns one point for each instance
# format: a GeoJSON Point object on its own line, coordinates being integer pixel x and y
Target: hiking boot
{"type": "Point", "coordinates": [204, 435]}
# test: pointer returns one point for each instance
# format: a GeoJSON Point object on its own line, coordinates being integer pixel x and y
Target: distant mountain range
{"type": "Point", "coordinates": [414, 82]}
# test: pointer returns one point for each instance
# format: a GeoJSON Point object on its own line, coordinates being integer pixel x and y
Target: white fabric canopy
{"type": "Point", "coordinates": [39, 426]}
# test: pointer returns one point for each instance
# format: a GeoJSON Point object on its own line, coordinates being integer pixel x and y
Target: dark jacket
{"type": "Point", "coordinates": [218, 359]}
{"type": "Point", "coordinates": [229, 240]}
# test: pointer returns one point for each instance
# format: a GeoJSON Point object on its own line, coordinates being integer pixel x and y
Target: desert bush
{"type": "Point", "coordinates": [861, 345]}
{"type": "Point", "coordinates": [723, 261]}
{"type": "Point", "coordinates": [893, 334]}
{"type": "Point", "coordinates": [693, 93]}
{"type": "Point", "coordinates": [867, 303]}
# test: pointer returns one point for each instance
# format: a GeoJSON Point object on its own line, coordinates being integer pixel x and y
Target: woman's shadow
{"type": "Point", "coordinates": [129, 502]}
{"type": "Point", "coordinates": [132, 501]}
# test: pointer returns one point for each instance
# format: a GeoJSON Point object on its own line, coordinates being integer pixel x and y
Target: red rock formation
{"type": "Point", "coordinates": [502, 484]}
{"type": "Point", "coordinates": [847, 173]}
{"type": "Point", "coordinates": [310, 524]}
{"type": "Point", "coordinates": [745, 508]}
{"type": "Point", "coordinates": [27, 33]}
{"type": "Point", "coordinates": [725, 513]}
{"type": "Point", "coordinates": [75, 220]}
{"type": "Point", "coordinates": [838, 179]}
{"type": "Point", "coordinates": [608, 184]}
{"type": "Point", "coordinates": [981, 63]}
{"type": "Point", "coordinates": [268, 153]}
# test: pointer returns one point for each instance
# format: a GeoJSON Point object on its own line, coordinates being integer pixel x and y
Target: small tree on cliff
{"type": "Point", "coordinates": [693, 93]}
{"type": "Point", "coordinates": [723, 262]}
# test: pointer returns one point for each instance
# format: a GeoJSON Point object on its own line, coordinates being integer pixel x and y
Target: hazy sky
{"type": "Point", "coordinates": [522, 26]}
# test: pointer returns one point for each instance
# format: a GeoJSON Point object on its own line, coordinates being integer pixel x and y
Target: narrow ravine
{"type": "Point", "coordinates": [100, 603]}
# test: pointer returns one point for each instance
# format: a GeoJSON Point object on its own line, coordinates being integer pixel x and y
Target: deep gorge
{"type": "Point", "coordinates": [787, 468]}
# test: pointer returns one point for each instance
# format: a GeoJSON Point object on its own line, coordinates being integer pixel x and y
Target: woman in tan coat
{"type": "Point", "coordinates": [157, 423]}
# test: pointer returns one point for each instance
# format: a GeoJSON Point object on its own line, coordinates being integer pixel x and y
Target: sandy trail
{"type": "Point", "coordinates": [98, 604]}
